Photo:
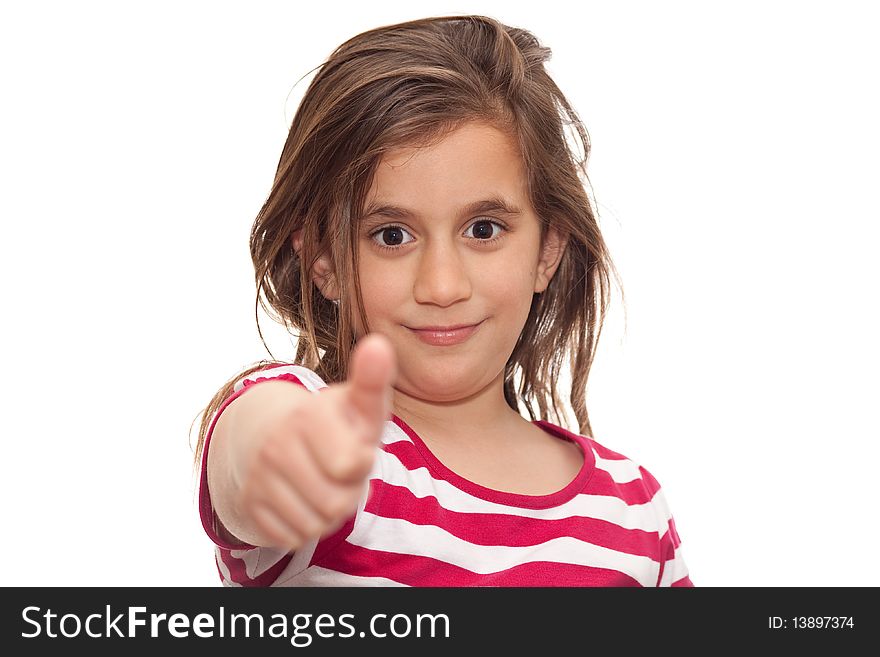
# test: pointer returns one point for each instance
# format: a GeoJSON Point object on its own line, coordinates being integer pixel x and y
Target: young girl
{"type": "Point", "coordinates": [429, 239]}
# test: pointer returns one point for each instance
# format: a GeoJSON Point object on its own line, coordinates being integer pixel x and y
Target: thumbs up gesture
{"type": "Point", "coordinates": [308, 472]}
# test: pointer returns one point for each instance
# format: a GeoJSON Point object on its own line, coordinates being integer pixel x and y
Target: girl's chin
{"type": "Point", "coordinates": [434, 385]}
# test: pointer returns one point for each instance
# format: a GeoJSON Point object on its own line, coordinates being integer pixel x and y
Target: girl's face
{"type": "Point", "coordinates": [437, 249]}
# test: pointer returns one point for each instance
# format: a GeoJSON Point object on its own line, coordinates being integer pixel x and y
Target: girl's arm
{"type": "Point", "coordinates": [286, 465]}
{"type": "Point", "coordinates": [238, 435]}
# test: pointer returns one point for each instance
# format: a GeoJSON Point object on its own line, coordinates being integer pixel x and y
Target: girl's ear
{"type": "Point", "coordinates": [551, 255]}
{"type": "Point", "coordinates": [322, 272]}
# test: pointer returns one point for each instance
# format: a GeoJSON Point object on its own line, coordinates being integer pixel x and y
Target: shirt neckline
{"type": "Point", "coordinates": [507, 498]}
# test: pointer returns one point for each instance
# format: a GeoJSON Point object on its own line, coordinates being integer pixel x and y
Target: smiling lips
{"type": "Point", "coordinates": [444, 337]}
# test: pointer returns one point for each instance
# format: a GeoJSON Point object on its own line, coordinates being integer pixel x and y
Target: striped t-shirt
{"type": "Point", "coordinates": [420, 524]}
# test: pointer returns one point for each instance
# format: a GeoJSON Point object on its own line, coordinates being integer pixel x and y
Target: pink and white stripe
{"type": "Point", "coordinates": [420, 524]}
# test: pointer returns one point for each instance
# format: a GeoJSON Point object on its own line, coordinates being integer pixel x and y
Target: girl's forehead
{"type": "Point", "coordinates": [469, 139]}
{"type": "Point", "coordinates": [471, 163]}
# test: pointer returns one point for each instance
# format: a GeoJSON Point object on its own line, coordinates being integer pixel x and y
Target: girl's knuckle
{"type": "Point", "coordinates": [313, 528]}
{"type": "Point", "coordinates": [337, 507]}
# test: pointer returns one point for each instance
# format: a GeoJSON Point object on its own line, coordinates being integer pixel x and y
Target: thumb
{"type": "Point", "coordinates": [372, 372]}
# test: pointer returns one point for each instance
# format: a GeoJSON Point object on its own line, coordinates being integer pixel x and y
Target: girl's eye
{"type": "Point", "coordinates": [483, 232]}
{"type": "Point", "coordinates": [394, 235]}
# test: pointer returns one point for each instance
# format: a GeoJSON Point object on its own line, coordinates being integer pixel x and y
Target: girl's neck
{"type": "Point", "coordinates": [484, 441]}
{"type": "Point", "coordinates": [485, 414]}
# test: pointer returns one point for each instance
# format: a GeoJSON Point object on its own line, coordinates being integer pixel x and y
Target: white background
{"type": "Point", "coordinates": [735, 165]}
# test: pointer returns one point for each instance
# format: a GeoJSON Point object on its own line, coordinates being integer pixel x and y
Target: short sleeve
{"type": "Point", "coordinates": [242, 564]}
{"type": "Point", "coordinates": [673, 570]}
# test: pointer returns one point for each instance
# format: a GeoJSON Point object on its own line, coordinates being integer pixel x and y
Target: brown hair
{"type": "Point", "coordinates": [411, 84]}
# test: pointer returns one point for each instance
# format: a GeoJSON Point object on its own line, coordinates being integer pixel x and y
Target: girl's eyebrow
{"type": "Point", "coordinates": [496, 203]}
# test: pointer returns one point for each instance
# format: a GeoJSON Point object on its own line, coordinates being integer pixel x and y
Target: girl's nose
{"type": "Point", "coordinates": [442, 276]}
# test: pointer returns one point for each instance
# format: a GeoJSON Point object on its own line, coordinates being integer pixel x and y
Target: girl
{"type": "Point", "coordinates": [429, 239]}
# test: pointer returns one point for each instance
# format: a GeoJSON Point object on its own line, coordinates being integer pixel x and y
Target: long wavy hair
{"type": "Point", "coordinates": [411, 84]}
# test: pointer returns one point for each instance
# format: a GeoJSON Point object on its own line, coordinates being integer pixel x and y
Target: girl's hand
{"type": "Point", "coordinates": [308, 473]}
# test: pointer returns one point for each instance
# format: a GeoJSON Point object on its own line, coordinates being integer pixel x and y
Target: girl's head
{"type": "Point", "coordinates": [429, 116]}
{"type": "Point", "coordinates": [448, 238]}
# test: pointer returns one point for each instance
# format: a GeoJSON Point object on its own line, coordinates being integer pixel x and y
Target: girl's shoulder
{"type": "Point", "coordinates": [622, 468]}
{"type": "Point", "coordinates": [600, 451]}
{"type": "Point", "coordinates": [284, 372]}
{"type": "Point", "coordinates": [618, 471]}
